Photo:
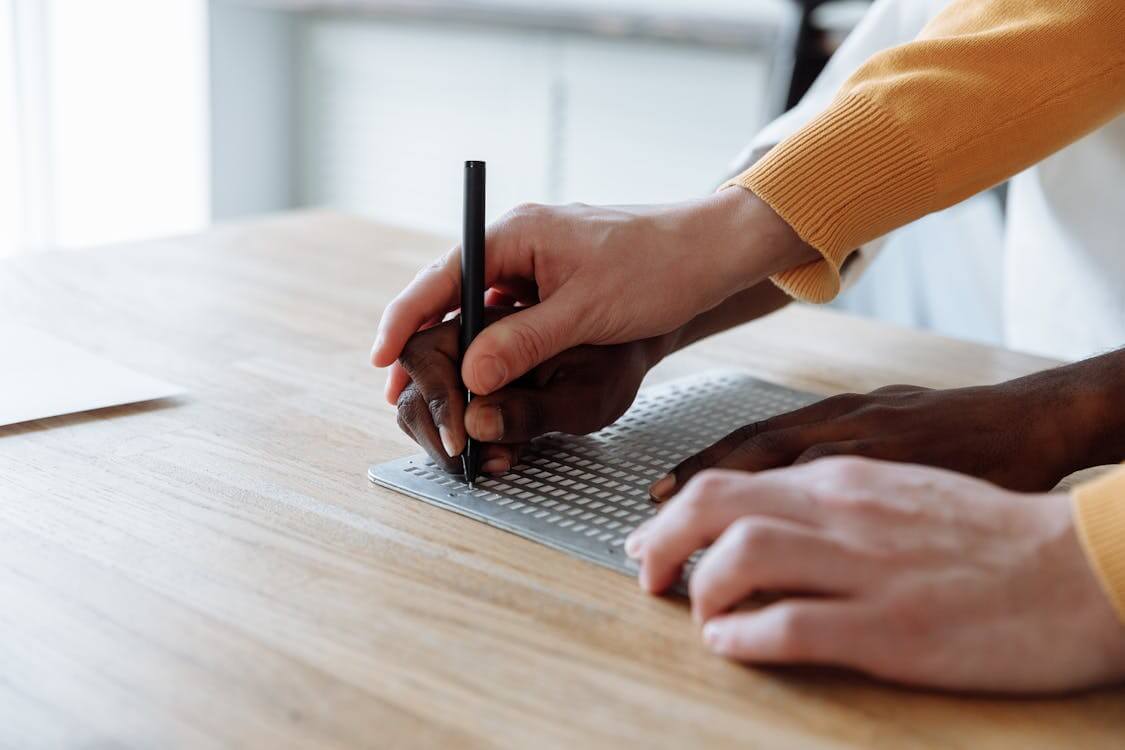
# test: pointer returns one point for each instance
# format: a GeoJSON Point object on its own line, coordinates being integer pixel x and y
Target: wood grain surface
{"type": "Point", "coordinates": [217, 571]}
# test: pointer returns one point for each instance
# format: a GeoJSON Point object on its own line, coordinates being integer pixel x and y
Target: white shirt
{"type": "Point", "coordinates": [1064, 240]}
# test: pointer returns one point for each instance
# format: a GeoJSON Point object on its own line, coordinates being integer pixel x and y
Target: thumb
{"type": "Point", "coordinates": [511, 347]}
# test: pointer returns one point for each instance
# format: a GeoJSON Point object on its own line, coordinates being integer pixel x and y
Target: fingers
{"type": "Point", "coordinates": [429, 361]}
{"type": "Point", "coordinates": [762, 445]}
{"type": "Point", "coordinates": [758, 553]}
{"type": "Point", "coordinates": [794, 631]}
{"type": "Point", "coordinates": [705, 508]}
{"type": "Point", "coordinates": [865, 448]}
{"type": "Point", "coordinates": [499, 459]}
{"type": "Point", "coordinates": [762, 450]}
{"type": "Point", "coordinates": [665, 487]}
{"type": "Point", "coordinates": [497, 298]}
{"type": "Point", "coordinates": [513, 346]}
{"type": "Point", "coordinates": [397, 379]}
{"type": "Point", "coordinates": [519, 414]}
{"type": "Point", "coordinates": [434, 291]}
{"type": "Point", "coordinates": [415, 419]}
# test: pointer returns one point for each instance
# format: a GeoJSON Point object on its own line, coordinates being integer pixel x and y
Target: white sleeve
{"type": "Point", "coordinates": [888, 23]}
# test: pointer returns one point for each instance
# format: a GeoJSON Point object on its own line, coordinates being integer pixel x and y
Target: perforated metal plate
{"type": "Point", "coordinates": [583, 495]}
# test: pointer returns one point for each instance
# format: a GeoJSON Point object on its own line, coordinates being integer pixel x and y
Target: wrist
{"type": "Point", "coordinates": [1096, 424]}
{"type": "Point", "coordinates": [1082, 411]}
{"type": "Point", "coordinates": [754, 242]}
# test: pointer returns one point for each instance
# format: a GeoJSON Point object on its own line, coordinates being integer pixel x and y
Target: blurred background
{"type": "Point", "coordinates": [122, 120]}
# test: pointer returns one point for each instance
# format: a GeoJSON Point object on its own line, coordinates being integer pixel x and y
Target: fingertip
{"type": "Point", "coordinates": [378, 353]}
{"type": "Point", "coordinates": [396, 383]}
{"type": "Point", "coordinates": [714, 637]}
{"type": "Point", "coordinates": [448, 442]}
{"type": "Point", "coordinates": [662, 489]}
{"type": "Point", "coordinates": [634, 544]}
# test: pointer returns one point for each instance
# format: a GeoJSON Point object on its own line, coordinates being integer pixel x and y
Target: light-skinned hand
{"type": "Point", "coordinates": [911, 574]}
{"type": "Point", "coordinates": [578, 391]}
{"type": "Point", "coordinates": [596, 275]}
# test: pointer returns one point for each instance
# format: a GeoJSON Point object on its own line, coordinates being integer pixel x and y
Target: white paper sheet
{"type": "Point", "coordinates": [43, 376]}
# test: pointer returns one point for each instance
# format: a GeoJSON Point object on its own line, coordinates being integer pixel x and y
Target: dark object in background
{"type": "Point", "coordinates": [815, 45]}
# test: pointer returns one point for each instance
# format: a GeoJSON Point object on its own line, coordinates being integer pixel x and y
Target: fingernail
{"type": "Point", "coordinates": [496, 466]}
{"type": "Point", "coordinates": [488, 423]}
{"type": "Point", "coordinates": [663, 488]}
{"type": "Point", "coordinates": [447, 442]}
{"type": "Point", "coordinates": [378, 345]}
{"type": "Point", "coordinates": [491, 373]}
{"type": "Point", "coordinates": [634, 543]}
{"type": "Point", "coordinates": [711, 635]}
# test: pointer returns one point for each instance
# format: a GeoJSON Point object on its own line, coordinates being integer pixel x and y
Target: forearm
{"type": "Point", "coordinates": [989, 88]}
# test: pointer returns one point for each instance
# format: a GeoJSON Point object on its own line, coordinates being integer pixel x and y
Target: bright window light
{"type": "Point", "coordinates": [11, 207]}
{"type": "Point", "coordinates": [128, 119]}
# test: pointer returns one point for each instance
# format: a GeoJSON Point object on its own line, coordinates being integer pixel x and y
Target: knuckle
{"type": "Point", "coordinates": [531, 344]}
{"type": "Point", "coordinates": [768, 442]}
{"type": "Point", "coordinates": [845, 400]}
{"type": "Point", "coordinates": [752, 430]}
{"type": "Point", "coordinates": [406, 399]}
{"type": "Point", "coordinates": [526, 210]}
{"type": "Point", "coordinates": [896, 388]}
{"type": "Point", "coordinates": [437, 406]}
{"type": "Point", "coordinates": [695, 499]}
{"type": "Point", "coordinates": [753, 538]}
{"type": "Point", "coordinates": [411, 406]}
{"type": "Point", "coordinates": [441, 264]}
{"type": "Point", "coordinates": [847, 471]}
{"type": "Point", "coordinates": [706, 485]}
{"type": "Point", "coordinates": [689, 467]}
{"type": "Point", "coordinates": [416, 359]}
{"type": "Point", "coordinates": [878, 412]}
{"type": "Point", "coordinates": [817, 452]}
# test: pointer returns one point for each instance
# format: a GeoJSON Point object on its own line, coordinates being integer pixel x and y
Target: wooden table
{"type": "Point", "coordinates": [216, 570]}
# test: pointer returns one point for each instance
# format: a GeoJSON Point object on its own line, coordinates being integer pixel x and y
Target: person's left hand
{"type": "Point", "coordinates": [1025, 434]}
{"type": "Point", "coordinates": [911, 574]}
{"type": "Point", "coordinates": [578, 391]}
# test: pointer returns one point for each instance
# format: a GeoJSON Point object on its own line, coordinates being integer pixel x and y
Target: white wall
{"type": "Point", "coordinates": [253, 110]}
{"type": "Point", "coordinates": [390, 109]}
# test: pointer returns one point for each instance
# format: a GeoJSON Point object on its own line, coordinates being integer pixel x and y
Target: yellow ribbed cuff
{"type": "Point", "coordinates": [1099, 512]}
{"type": "Point", "coordinates": [848, 177]}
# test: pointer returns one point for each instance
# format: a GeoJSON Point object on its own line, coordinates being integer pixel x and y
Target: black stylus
{"type": "Point", "coordinates": [472, 288]}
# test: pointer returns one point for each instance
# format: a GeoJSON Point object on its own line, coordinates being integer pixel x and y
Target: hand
{"type": "Point", "coordinates": [578, 391]}
{"type": "Point", "coordinates": [911, 574]}
{"type": "Point", "coordinates": [1014, 434]}
{"type": "Point", "coordinates": [593, 275]}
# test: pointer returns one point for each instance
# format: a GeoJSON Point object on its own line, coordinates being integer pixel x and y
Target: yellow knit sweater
{"type": "Point", "coordinates": [988, 88]}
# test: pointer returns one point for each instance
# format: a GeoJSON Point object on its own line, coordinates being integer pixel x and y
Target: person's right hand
{"type": "Point", "coordinates": [593, 275]}
{"type": "Point", "coordinates": [578, 391]}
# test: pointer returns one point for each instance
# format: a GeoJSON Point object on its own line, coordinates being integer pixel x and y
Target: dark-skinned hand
{"type": "Point", "coordinates": [1019, 435]}
{"type": "Point", "coordinates": [578, 391]}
